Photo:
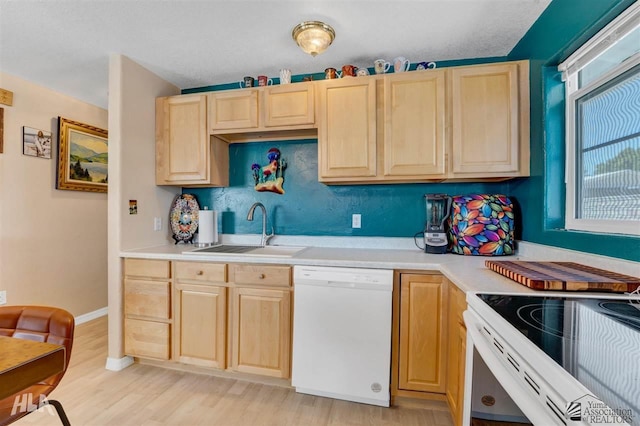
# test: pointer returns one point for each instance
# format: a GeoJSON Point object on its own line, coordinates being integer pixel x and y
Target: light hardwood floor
{"type": "Point", "coordinates": [150, 395]}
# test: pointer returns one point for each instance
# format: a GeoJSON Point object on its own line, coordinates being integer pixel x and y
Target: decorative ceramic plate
{"type": "Point", "coordinates": [184, 218]}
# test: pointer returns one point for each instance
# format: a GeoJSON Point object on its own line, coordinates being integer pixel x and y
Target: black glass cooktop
{"type": "Point", "coordinates": [596, 340]}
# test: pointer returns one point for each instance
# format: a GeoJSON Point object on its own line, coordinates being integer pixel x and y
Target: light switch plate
{"type": "Point", "coordinates": [356, 220]}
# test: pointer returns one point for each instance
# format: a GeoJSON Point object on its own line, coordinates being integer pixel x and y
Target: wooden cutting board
{"type": "Point", "coordinates": [567, 276]}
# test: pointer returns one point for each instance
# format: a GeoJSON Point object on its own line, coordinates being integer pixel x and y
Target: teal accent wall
{"type": "Point", "coordinates": [562, 28]}
{"type": "Point", "coordinates": [311, 208]}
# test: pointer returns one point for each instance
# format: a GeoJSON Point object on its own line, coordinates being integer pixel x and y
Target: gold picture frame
{"type": "Point", "coordinates": [82, 157]}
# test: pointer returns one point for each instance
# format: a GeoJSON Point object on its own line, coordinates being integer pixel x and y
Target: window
{"type": "Point", "coordinates": [602, 81]}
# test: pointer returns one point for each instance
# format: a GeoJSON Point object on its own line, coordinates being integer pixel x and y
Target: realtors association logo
{"type": "Point", "coordinates": [592, 410]}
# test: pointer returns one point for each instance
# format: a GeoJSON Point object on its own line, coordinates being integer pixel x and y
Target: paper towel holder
{"type": "Point", "coordinates": [207, 235]}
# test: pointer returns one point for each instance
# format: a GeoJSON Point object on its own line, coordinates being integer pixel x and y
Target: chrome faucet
{"type": "Point", "coordinates": [265, 238]}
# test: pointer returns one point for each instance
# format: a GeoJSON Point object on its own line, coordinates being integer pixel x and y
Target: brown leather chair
{"type": "Point", "coordinates": [42, 324]}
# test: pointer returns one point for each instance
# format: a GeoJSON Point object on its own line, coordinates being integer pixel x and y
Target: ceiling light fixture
{"type": "Point", "coordinates": [313, 36]}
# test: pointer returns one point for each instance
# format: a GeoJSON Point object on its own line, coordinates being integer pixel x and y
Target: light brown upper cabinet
{"type": "Point", "coordinates": [288, 105]}
{"type": "Point", "coordinates": [185, 153]}
{"type": "Point", "coordinates": [414, 125]}
{"type": "Point", "coordinates": [386, 130]}
{"type": "Point", "coordinates": [468, 123]}
{"type": "Point", "coordinates": [233, 109]}
{"type": "Point", "coordinates": [490, 120]}
{"type": "Point", "coordinates": [347, 129]}
{"type": "Point", "coordinates": [279, 112]}
{"type": "Point", "coordinates": [457, 123]}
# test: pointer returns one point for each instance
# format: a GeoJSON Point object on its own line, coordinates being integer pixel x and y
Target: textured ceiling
{"type": "Point", "coordinates": [65, 44]}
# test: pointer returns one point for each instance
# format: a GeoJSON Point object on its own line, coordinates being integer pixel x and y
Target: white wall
{"type": "Point", "coordinates": [132, 93]}
{"type": "Point", "coordinates": [53, 243]}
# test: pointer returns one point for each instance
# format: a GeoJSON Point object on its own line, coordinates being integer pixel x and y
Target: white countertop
{"type": "Point", "coordinates": [469, 273]}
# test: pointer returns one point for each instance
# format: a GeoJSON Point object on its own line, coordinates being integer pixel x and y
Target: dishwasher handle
{"type": "Point", "coordinates": [344, 284]}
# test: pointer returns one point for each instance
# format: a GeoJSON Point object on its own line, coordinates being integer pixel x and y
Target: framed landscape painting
{"type": "Point", "coordinates": [82, 157]}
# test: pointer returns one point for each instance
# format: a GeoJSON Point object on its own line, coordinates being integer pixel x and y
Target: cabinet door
{"type": "Point", "coordinates": [347, 129]}
{"type": "Point", "coordinates": [233, 109]}
{"type": "Point", "coordinates": [421, 352]}
{"type": "Point", "coordinates": [462, 342]}
{"type": "Point", "coordinates": [289, 105]}
{"type": "Point", "coordinates": [261, 331]}
{"type": "Point", "coordinates": [456, 339]}
{"type": "Point", "coordinates": [414, 125]}
{"type": "Point", "coordinates": [486, 128]}
{"type": "Point", "coordinates": [182, 140]}
{"type": "Point", "coordinates": [200, 330]}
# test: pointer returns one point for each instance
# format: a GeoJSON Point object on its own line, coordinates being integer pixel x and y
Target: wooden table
{"type": "Point", "coordinates": [24, 363]}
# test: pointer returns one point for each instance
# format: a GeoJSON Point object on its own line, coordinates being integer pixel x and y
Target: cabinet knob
{"type": "Point", "coordinates": [200, 273]}
{"type": "Point", "coordinates": [261, 276]}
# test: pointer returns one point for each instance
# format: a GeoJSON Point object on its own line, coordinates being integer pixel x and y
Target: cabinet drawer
{"type": "Point", "coordinates": [147, 299]}
{"type": "Point", "coordinates": [147, 268]}
{"type": "Point", "coordinates": [147, 339]}
{"type": "Point", "coordinates": [260, 275]}
{"type": "Point", "coordinates": [200, 271]}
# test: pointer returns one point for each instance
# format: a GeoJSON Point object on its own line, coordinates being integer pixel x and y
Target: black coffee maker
{"type": "Point", "coordinates": [438, 207]}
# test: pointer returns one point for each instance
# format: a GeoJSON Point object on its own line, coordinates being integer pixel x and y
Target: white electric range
{"type": "Point", "coordinates": [563, 359]}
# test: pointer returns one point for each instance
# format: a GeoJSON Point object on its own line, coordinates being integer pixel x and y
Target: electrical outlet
{"type": "Point", "coordinates": [356, 220]}
{"type": "Point", "coordinates": [3, 297]}
{"type": "Point", "coordinates": [157, 224]}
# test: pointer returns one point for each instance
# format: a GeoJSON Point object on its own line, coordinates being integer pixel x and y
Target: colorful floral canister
{"type": "Point", "coordinates": [481, 225]}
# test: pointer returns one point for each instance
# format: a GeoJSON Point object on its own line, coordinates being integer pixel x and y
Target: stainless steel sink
{"type": "Point", "coordinates": [233, 249]}
{"type": "Point", "coordinates": [285, 251]}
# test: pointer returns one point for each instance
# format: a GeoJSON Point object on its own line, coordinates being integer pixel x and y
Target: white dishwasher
{"type": "Point", "coordinates": [342, 333]}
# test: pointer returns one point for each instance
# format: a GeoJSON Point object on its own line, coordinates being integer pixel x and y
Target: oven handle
{"type": "Point", "coordinates": [536, 413]}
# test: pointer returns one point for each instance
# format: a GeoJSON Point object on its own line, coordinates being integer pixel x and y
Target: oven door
{"type": "Point", "coordinates": [512, 374]}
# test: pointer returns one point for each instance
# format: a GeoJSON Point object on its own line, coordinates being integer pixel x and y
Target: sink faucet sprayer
{"type": "Point", "coordinates": [265, 238]}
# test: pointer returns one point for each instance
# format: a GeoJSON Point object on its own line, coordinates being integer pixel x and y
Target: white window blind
{"type": "Point", "coordinates": [603, 129]}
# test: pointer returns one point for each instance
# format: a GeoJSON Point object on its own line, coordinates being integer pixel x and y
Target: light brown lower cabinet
{"type": "Point", "coordinates": [457, 344]}
{"type": "Point", "coordinates": [429, 340]}
{"type": "Point", "coordinates": [200, 312]}
{"type": "Point", "coordinates": [419, 351]}
{"type": "Point", "coordinates": [200, 337]}
{"type": "Point", "coordinates": [147, 308]}
{"type": "Point", "coordinates": [261, 331]}
{"type": "Point", "coordinates": [233, 316]}
{"type": "Point", "coordinates": [147, 339]}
